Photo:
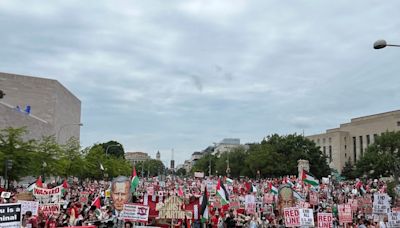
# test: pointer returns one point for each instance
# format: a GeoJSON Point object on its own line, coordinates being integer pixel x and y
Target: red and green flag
{"type": "Point", "coordinates": [134, 180]}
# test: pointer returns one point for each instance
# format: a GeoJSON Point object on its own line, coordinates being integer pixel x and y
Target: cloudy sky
{"type": "Point", "coordinates": [162, 75]}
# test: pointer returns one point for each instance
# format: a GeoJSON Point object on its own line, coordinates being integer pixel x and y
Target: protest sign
{"type": "Point", "coordinates": [199, 174]}
{"type": "Point", "coordinates": [135, 212]}
{"type": "Point", "coordinates": [50, 209]}
{"type": "Point", "coordinates": [381, 203]}
{"type": "Point", "coordinates": [10, 215]}
{"type": "Point", "coordinates": [32, 206]}
{"type": "Point", "coordinates": [5, 195]}
{"type": "Point", "coordinates": [306, 217]}
{"type": "Point", "coordinates": [325, 220]}
{"type": "Point", "coordinates": [354, 204]}
{"type": "Point", "coordinates": [292, 216]}
{"type": "Point", "coordinates": [84, 197]}
{"type": "Point", "coordinates": [171, 209]}
{"type": "Point", "coordinates": [45, 196]}
{"type": "Point", "coordinates": [314, 198]}
{"type": "Point", "coordinates": [345, 215]}
{"type": "Point", "coordinates": [394, 219]}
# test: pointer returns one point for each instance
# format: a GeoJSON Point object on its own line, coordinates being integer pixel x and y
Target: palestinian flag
{"type": "Point", "coordinates": [97, 203]}
{"type": "Point", "coordinates": [287, 180]}
{"type": "Point", "coordinates": [307, 178]}
{"type": "Point", "coordinates": [204, 206]}
{"type": "Point", "coordinates": [134, 180]}
{"type": "Point", "coordinates": [253, 189]}
{"type": "Point", "coordinates": [273, 189]}
{"type": "Point", "coordinates": [229, 180]}
{"type": "Point", "coordinates": [222, 193]}
{"type": "Point", "coordinates": [39, 182]}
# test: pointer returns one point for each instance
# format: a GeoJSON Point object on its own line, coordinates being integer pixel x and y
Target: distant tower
{"type": "Point", "coordinates": [158, 156]}
{"type": "Point", "coordinates": [172, 160]}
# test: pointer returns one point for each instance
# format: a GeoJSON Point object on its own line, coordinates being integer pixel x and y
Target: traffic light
{"type": "Point", "coordinates": [2, 94]}
{"type": "Point", "coordinates": [9, 164]}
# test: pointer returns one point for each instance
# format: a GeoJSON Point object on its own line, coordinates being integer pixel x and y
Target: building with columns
{"type": "Point", "coordinates": [349, 141]}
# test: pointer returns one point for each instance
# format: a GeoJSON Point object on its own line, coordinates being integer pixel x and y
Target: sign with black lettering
{"type": "Point", "coordinates": [10, 215]}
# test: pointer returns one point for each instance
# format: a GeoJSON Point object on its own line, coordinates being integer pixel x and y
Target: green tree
{"type": "Point", "coordinates": [47, 157]}
{"type": "Point", "coordinates": [237, 164]}
{"type": "Point", "coordinates": [203, 164]}
{"type": "Point", "coordinates": [181, 172]}
{"type": "Point", "coordinates": [114, 148]}
{"type": "Point", "coordinates": [382, 158]}
{"type": "Point", "coordinates": [152, 167]}
{"type": "Point", "coordinates": [348, 171]}
{"type": "Point", "coordinates": [13, 147]}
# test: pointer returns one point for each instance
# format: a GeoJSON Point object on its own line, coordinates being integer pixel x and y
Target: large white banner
{"type": "Point", "coordinates": [45, 196]}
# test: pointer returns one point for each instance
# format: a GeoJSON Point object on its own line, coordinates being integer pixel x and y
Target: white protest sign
{"type": "Point", "coordinates": [32, 206]}
{"type": "Point", "coordinates": [5, 195]}
{"type": "Point", "coordinates": [50, 209]}
{"type": "Point", "coordinates": [381, 204]}
{"type": "Point", "coordinates": [394, 219]}
{"type": "Point", "coordinates": [45, 196]}
{"type": "Point", "coordinates": [292, 216]}
{"type": "Point", "coordinates": [306, 217]}
{"type": "Point", "coordinates": [135, 212]}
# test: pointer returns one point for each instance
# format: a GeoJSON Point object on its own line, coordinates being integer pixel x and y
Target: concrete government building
{"type": "Point", "coordinates": [349, 141]}
{"type": "Point", "coordinates": [42, 105]}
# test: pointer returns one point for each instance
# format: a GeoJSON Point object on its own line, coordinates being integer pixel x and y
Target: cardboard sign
{"type": "Point", "coordinates": [306, 217]}
{"type": "Point", "coordinates": [135, 213]}
{"type": "Point", "coordinates": [345, 215]}
{"type": "Point", "coordinates": [199, 174]}
{"type": "Point", "coordinates": [292, 216]}
{"type": "Point", "coordinates": [24, 196]}
{"type": "Point", "coordinates": [394, 219]}
{"type": "Point", "coordinates": [381, 204]}
{"type": "Point", "coordinates": [10, 215]}
{"type": "Point", "coordinates": [50, 209]}
{"type": "Point", "coordinates": [314, 198]}
{"type": "Point", "coordinates": [325, 220]}
{"type": "Point", "coordinates": [32, 206]}
{"type": "Point", "coordinates": [172, 209]}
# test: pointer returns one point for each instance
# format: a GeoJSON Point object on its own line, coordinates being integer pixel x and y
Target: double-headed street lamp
{"type": "Point", "coordinates": [379, 44]}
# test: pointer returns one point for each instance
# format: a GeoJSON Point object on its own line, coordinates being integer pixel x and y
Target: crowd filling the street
{"type": "Point", "coordinates": [201, 201]}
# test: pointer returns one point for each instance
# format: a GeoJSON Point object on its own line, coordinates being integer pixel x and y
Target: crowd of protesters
{"type": "Point", "coordinates": [99, 208]}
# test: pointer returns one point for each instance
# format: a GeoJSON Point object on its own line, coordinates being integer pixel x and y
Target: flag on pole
{"type": "Point", "coordinates": [253, 189]}
{"type": "Point", "coordinates": [273, 189]}
{"type": "Point", "coordinates": [307, 178]}
{"type": "Point", "coordinates": [97, 202]}
{"type": "Point", "coordinates": [229, 180]}
{"type": "Point", "coordinates": [204, 206]}
{"type": "Point", "coordinates": [101, 167]}
{"type": "Point", "coordinates": [31, 187]}
{"type": "Point", "coordinates": [134, 180]}
{"type": "Point", "coordinates": [287, 180]}
{"type": "Point", "coordinates": [222, 193]}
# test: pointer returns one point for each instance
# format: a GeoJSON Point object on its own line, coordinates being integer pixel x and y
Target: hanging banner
{"type": "Point", "coordinates": [325, 220]}
{"type": "Point", "coordinates": [135, 212]}
{"type": "Point", "coordinates": [381, 204]}
{"type": "Point", "coordinates": [50, 209]}
{"type": "Point", "coordinates": [394, 219]}
{"type": "Point", "coordinates": [292, 216]}
{"type": "Point", "coordinates": [32, 206]}
{"type": "Point", "coordinates": [345, 215]}
{"type": "Point", "coordinates": [46, 196]}
{"type": "Point", "coordinates": [10, 215]}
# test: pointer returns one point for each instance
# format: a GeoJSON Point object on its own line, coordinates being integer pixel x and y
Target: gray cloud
{"type": "Point", "coordinates": [182, 75]}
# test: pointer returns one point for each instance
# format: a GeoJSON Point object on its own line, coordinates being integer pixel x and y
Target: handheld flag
{"type": "Point", "coordinates": [273, 189]}
{"type": "Point", "coordinates": [307, 178]}
{"type": "Point", "coordinates": [222, 193]}
{"type": "Point", "coordinates": [97, 203]}
{"type": "Point", "coordinates": [39, 182]}
{"type": "Point", "coordinates": [134, 180]}
{"type": "Point", "coordinates": [204, 206]}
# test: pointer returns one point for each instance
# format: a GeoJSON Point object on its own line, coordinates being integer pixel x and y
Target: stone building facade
{"type": "Point", "coordinates": [44, 106]}
{"type": "Point", "coordinates": [350, 141]}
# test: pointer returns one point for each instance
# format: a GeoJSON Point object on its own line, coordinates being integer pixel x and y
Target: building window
{"type": "Point", "coordinates": [330, 153]}
{"type": "Point", "coordinates": [375, 136]}
{"type": "Point", "coordinates": [354, 149]}
{"type": "Point", "coordinates": [361, 146]}
{"type": "Point", "coordinates": [368, 140]}
{"type": "Point", "coordinates": [398, 123]}
{"type": "Point", "coordinates": [345, 147]}
{"type": "Point", "coordinates": [330, 140]}
{"type": "Point", "coordinates": [323, 140]}
{"type": "Point", "coordinates": [324, 150]}
{"type": "Point", "coordinates": [318, 141]}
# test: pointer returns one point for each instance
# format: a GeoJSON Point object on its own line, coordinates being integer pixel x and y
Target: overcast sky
{"type": "Point", "coordinates": [163, 75]}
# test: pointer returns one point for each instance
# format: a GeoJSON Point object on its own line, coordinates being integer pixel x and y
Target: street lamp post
{"type": "Point", "coordinates": [65, 125]}
{"type": "Point", "coordinates": [109, 146]}
{"type": "Point", "coordinates": [379, 44]}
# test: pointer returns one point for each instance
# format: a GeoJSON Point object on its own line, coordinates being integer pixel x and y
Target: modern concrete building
{"type": "Point", "coordinates": [44, 106]}
{"type": "Point", "coordinates": [135, 157]}
{"type": "Point", "coordinates": [349, 141]}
